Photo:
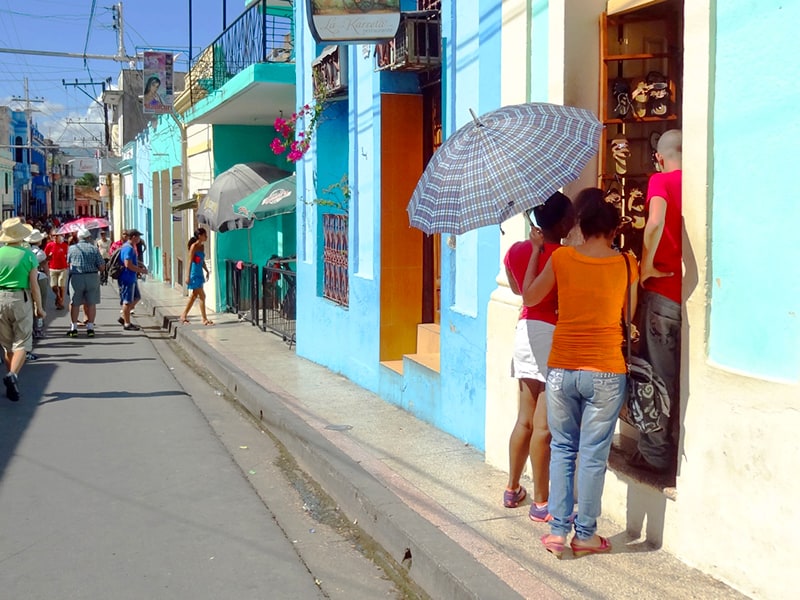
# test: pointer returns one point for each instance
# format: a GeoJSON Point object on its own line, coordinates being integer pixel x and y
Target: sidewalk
{"type": "Point", "coordinates": [425, 497]}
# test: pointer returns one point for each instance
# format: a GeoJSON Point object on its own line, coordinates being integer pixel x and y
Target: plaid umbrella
{"type": "Point", "coordinates": [503, 163]}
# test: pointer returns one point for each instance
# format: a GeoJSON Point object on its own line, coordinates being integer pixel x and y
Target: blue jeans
{"type": "Point", "coordinates": [582, 411]}
{"type": "Point", "coordinates": [660, 345]}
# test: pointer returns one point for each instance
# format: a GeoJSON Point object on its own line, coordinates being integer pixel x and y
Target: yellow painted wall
{"type": "Point", "coordinates": [401, 245]}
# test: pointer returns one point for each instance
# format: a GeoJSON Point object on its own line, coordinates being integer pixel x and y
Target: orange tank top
{"type": "Point", "coordinates": [591, 294]}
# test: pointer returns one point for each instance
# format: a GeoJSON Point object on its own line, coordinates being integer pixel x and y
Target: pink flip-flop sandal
{"type": "Point", "coordinates": [578, 550]}
{"type": "Point", "coordinates": [553, 547]}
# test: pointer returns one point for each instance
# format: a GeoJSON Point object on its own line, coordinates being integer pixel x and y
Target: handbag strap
{"type": "Point", "coordinates": [627, 310]}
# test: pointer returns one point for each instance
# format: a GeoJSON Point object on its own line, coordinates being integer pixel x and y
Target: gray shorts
{"type": "Point", "coordinates": [84, 288]}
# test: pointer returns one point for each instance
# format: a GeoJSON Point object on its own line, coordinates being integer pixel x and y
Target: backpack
{"type": "Point", "coordinates": [115, 264]}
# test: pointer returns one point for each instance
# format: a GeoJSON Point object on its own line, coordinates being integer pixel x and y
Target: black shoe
{"type": "Point", "coordinates": [637, 461]}
{"type": "Point", "coordinates": [90, 332]}
{"type": "Point", "coordinates": [12, 387]}
{"type": "Point", "coordinates": [121, 321]}
{"type": "Point", "coordinates": [131, 327]}
{"type": "Point", "coordinates": [72, 333]}
{"type": "Point", "coordinates": [31, 356]}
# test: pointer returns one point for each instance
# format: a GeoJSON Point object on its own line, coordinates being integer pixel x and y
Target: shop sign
{"type": "Point", "coordinates": [157, 96]}
{"type": "Point", "coordinates": [353, 21]}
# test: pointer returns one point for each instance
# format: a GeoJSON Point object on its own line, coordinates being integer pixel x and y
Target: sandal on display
{"type": "Point", "coordinates": [620, 150]}
{"type": "Point", "coordinates": [639, 97]}
{"type": "Point", "coordinates": [579, 550]}
{"type": "Point", "coordinates": [553, 546]}
{"type": "Point", "coordinates": [658, 94]}
{"type": "Point", "coordinates": [621, 92]}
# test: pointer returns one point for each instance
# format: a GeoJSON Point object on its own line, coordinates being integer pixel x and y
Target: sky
{"type": "Point", "coordinates": [78, 26]}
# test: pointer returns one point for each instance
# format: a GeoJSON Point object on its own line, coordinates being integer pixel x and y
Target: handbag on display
{"type": "Point", "coordinates": [647, 403]}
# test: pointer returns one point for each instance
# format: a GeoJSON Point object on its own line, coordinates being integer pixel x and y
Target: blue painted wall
{"type": "Point", "coordinates": [142, 208]}
{"type": "Point", "coordinates": [755, 290]}
{"type": "Point", "coordinates": [347, 340]}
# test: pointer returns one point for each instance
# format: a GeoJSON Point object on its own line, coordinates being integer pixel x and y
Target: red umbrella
{"type": "Point", "coordinates": [84, 223]}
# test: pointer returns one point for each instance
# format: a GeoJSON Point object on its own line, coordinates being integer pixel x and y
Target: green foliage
{"type": "Point", "coordinates": [88, 180]}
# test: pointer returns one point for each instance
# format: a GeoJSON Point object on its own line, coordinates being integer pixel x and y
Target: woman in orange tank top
{"type": "Point", "coordinates": [586, 379]}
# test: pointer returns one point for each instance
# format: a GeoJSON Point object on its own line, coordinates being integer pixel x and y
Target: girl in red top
{"type": "Point", "coordinates": [530, 436]}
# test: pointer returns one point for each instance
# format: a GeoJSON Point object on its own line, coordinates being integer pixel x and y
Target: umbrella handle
{"type": "Point", "coordinates": [475, 118]}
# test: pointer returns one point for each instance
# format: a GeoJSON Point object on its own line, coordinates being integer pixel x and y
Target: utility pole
{"type": "Point", "coordinates": [29, 110]}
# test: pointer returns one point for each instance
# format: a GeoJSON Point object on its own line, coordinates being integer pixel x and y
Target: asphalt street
{"type": "Point", "coordinates": [125, 476]}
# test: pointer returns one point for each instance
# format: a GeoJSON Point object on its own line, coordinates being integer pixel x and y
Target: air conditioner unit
{"type": "Point", "coordinates": [417, 45]}
{"type": "Point", "coordinates": [330, 70]}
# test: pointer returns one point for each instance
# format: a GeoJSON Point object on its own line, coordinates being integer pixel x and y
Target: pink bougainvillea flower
{"type": "Point", "coordinates": [277, 146]}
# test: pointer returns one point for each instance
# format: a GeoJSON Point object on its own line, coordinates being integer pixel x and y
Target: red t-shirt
{"type": "Point", "coordinates": [668, 254]}
{"type": "Point", "coordinates": [516, 260]}
{"type": "Point", "coordinates": [57, 255]}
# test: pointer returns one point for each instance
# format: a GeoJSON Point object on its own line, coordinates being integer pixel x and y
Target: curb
{"type": "Point", "coordinates": [440, 566]}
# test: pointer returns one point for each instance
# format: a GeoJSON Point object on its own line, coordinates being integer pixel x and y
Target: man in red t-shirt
{"type": "Point", "coordinates": [56, 252]}
{"type": "Point", "coordinates": [660, 301]}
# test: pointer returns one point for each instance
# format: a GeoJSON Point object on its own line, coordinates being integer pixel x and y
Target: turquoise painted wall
{"type": "Point", "coordinates": [165, 147]}
{"type": "Point", "coordinates": [142, 208]}
{"type": "Point", "coordinates": [235, 144]}
{"type": "Point", "coordinates": [755, 289]}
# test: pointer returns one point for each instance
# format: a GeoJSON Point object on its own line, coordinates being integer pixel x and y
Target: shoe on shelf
{"type": "Point", "coordinates": [511, 499]}
{"type": "Point", "coordinates": [131, 327]}
{"type": "Point", "coordinates": [637, 461]}
{"type": "Point", "coordinates": [540, 514]}
{"type": "Point", "coordinates": [12, 387]}
{"type": "Point", "coordinates": [72, 333]}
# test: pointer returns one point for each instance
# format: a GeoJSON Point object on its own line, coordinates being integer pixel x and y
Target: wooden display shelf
{"type": "Point", "coordinates": [620, 57]}
{"type": "Point", "coordinates": [639, 120]}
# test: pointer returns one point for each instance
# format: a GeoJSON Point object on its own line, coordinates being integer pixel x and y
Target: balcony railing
{"type": "Point", "coordinates": [261, 34]}
{"type": "Point", "coordinates": [417, 46]}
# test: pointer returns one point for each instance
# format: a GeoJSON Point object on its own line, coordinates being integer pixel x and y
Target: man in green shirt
{"type": "Point", "coordinates": [18, 288]}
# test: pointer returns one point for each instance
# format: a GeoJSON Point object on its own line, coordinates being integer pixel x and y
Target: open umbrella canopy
{"type": "Point", "coordinates": [216, 211]}
{"type": "Point", "coordinates": [501, 164]}
{"type": "Point", "coordinates": [83, 223]}
{"type": "Point", "coordinates": [277, 198]}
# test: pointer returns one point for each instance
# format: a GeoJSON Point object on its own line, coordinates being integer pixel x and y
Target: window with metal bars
{"type": "Point", "coordinates": [335, 282]}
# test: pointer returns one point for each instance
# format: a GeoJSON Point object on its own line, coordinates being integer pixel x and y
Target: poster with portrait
{"type": "Point", "coordinates": [353, 21]}
{"type": "Point", "coordinates": [157, 95]}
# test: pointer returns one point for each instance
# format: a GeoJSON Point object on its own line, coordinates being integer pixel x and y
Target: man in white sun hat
{"type": "Point", "coordinates": [18, 288]}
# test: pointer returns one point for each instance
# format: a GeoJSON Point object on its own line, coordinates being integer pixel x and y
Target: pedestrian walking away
{"type": "Point", "coordinates": [128, 286]}
{"type": "Point", "coordinates": [198, 274]}
{"type": "Point", "coordinates": [104, 246]}
{"type": "Point", "coordinates": [18, 289]}
{"type": "Point", "coordinates": [56, 251]}
{"type": "Point", "coordinates": [586, 380]}
{"type": "Point", "coordinates": [85, 266]}
{"type": "Point", "coordinates": [530, 437]}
